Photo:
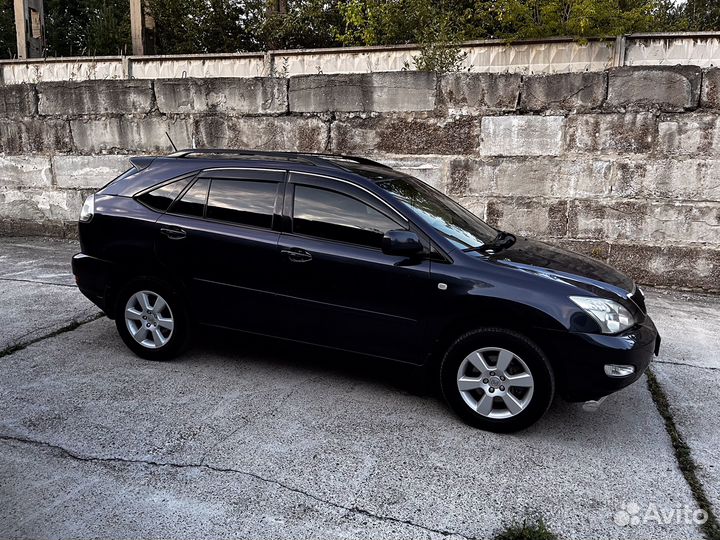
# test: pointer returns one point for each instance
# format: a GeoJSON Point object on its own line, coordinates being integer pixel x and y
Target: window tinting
{"type": "Point", "coordinates": [331, 215]}
{"type": "Point", "coordinates": [242, 201]}
{"type": "Point", "coordinates": [162, 197]}
{"type": "Point", "coordinates": [193, 202]}
{"type": "Point", "coordinates": [457, 224]}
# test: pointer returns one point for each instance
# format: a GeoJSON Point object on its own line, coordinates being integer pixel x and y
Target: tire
{"type": "Point", "coordinates": [483, 361]}
{"type": "Point", "coordinates": [155, 332]}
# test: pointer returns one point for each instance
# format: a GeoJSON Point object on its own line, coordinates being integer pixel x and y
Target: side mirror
{"type": "Point", "coordinates": [402, 243]}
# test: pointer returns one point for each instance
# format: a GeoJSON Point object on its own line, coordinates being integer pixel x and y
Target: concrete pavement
{"type": "Point", "coordinates": [249, 438]}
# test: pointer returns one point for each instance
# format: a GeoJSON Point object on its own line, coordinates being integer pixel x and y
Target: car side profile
{"type": "Point", "coordinates": [346, 253]}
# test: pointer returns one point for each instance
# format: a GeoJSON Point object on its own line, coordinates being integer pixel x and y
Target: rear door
{"type": "Point", "coordinates": [340, 289]}
{"type": "Point", "coordinates": [221, 236]}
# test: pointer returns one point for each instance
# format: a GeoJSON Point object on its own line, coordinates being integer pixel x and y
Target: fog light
{"type": "Point", "coordinates": [618, 370]}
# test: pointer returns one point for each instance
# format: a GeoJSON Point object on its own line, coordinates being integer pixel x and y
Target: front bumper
{"type": "Point", "coordinates": [579, 359]}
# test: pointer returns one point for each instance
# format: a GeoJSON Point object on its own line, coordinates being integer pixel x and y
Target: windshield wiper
{"type": "Point", "coordinates": [501, 241]}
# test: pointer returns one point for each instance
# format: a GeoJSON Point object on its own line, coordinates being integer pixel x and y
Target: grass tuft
{"type": "Point", "coordinates": [527, 531]}
{"type": "Point", "coordinates": [687, 465]}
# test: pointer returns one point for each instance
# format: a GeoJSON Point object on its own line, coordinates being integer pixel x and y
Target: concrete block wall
{"type": "Point", "coordinates": [623, 165]}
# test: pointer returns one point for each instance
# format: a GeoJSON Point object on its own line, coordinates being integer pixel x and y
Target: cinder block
{"type": "Point", "coordinates": [645, 223]}
{"type": "Point", "coordinates": [29, 135]}
{"type": "Point", "coordinates": [257, 95]}
{"type": "Point", "coordinates": [25, 171]}
{"type": "Point", "coordinates": [95, 97]}
{"type": "Point", "coordinates": [471, 177]}
{"type": "Point", "coordinates": [18, 100]}
{"type": "Point", "coordinates": [522, 135]}
{"type": "Point", "coordinates": [405, 135]}
{"type": "Point", "coordinates": [667, 88]}
{"type": "Point", "coordinates": [130, 134]}
{"type": "Point", "coordinates": [480, 92]}
{"type": "Point", "coordinates": [282, 133]}
{"type": "Point", "coordinates": [669, 265]}
{"type": "Point", "coordinates": [577, 92]}
{"type": "Point", "coordinates": [40, 204]}
{"type": "Point", "coordinates": [629, 133]}
{"type": "Point", "coordinates": [87, 172]}
{"type": "Point", "coordinates": [404, 91]}
{"type": "Point", "coordinates": [534, 217]}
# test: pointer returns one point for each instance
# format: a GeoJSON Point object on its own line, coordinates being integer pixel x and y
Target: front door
{"type": "Point", "coordinates": [339, 287]}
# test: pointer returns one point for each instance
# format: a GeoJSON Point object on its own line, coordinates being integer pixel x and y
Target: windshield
{"type": "Point", "coordinates": [463, 228]}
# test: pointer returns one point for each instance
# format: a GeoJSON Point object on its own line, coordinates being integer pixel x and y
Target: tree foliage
{"type": "Point", "coordinates": [100, 27]}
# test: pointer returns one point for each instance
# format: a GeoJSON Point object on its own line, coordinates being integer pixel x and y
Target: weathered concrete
{"type": "Point", "coordinates": [403, 135]}
{"type": "Point", "coordinates": [688, 370]}
{"type": "Point", "coordinates": [130, 134]}
{"type": "Point", "coordinates": [480, 92]}
{"type": "Point", "coordinates": [378, 92]}
{"type": "Point", "coordinates": [574, 92]}
{"type": "Point", "coordinates": [27, 135]}
{"type": "Point", "coordinates": [18, 100]}
{"type": "Point", "coordinates": [37, 291]}
{"type": "Point", "coordinates": [265, 133]}
{"type": "Point", "coordinates": [26, 171]}
{"type": "Point", "coordinates": [522, 135]}
{"type": "Point", "coordinates": [232, 96]}
{"type": "Point", "coordinates": [87, 172]}
{"type": "Point", "coordinates": [630, 133]}
{"type": "Point", "coordinates": [113, 97]}
{"type": "Point", "coordinates": [710, 94]}
{"type": "Point", "coordinates": [672, 88]}
{"type": "Point", "coordinates": [337, 435]}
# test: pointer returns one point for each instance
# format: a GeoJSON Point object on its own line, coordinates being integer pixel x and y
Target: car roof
{"type": "Point", "coordinates": [158, 169]}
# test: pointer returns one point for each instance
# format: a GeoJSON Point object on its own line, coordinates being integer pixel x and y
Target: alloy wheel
{"type": "Point", "coordinates": [495, 382]}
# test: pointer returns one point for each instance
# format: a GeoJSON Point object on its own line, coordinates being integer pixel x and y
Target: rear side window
{"type": "Point", "coordinates": [244, 202]}
{"type": "Point", "coordinates": [161, 198]}
{"type": "Point", "coordinates": [192, 203]}
{"type": "Point", "coordinates": [328, 214]}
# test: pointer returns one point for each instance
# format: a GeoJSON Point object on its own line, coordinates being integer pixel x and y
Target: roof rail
{"type": "Point", "coordinates": [308, 157]}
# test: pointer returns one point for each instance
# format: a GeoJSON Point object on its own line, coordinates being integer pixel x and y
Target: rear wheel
{"type": "Point", "coordinates": [151, 319]}
{"type": "Point", "coordinates": [497, 380]}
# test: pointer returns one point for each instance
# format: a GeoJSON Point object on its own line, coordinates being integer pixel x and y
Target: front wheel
{"type": "Point", "coordinates": [497, 380]}
{"type": "Point", "coordinates": [150, 318]}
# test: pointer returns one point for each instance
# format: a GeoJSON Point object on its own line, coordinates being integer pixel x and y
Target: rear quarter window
{"type": "Point", "coordinates": [162, 197]}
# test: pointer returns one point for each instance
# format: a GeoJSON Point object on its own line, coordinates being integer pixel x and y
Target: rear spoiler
{"type": "Point", "coordinates": [142, 162]}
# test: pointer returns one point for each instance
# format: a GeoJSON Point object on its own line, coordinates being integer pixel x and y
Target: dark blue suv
{"type": "Point", "coordinates": [347, 253]}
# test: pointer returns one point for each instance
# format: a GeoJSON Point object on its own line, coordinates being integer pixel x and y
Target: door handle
{"type": "Point", "coordinates": [173, 234]}
{"type": "Point", "coordinates": [297, 255]}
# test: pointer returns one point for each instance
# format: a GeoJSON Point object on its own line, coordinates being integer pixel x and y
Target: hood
{"type": "Point", "coordinates": [558, 263]}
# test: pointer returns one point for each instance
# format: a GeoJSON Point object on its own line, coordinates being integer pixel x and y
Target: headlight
{"type": "Point", "coordinates": [611, 316]}
{"type": "Point", "coordinates": [88, 209]}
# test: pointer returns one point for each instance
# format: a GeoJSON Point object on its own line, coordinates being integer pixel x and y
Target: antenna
{"type": "Point", "coordinates": [171, 141]}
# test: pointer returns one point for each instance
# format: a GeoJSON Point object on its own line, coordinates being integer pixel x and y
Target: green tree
{"type": "Point", "coordinates": [702, 14]}
{"type": "Point", "coordinates": [8, 44]}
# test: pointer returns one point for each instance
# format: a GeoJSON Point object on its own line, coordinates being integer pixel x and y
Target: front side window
{"type": "Point", "coordinates": [192, 203]}
{"type": "Point", "coordinates": [242, 201]}
{"type": "Point", "coordinates": [161, 198]}
{"type": "Point", "coordinates": [460, 226]}
{"type": "Point", "coordinates": [334, 216]}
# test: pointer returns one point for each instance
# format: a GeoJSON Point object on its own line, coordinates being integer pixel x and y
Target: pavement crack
{"type": "Point", "coordinates": [227, 470]}
{"type": "Point", "coordinates": [684, 364]}
{"type": "Point", "coordinates": [63, 329]}
{"type": "Point", "coordinates": [683, 455]}
{"type": "Point", "coordinates": [35, 281]}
